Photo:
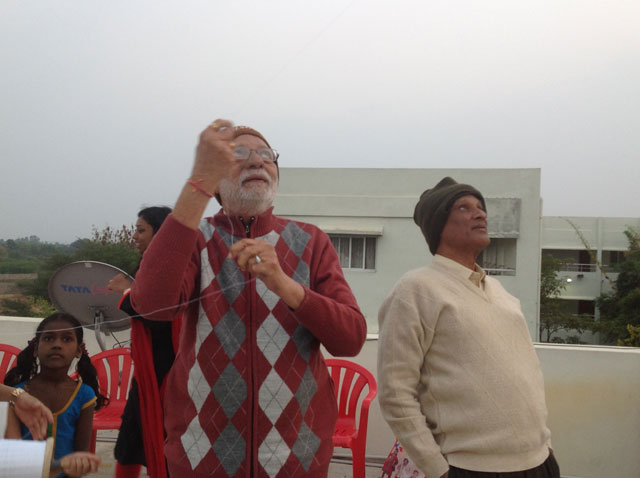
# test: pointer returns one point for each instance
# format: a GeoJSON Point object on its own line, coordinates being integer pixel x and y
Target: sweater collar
{"type": "Point", "coordinates": [475, 275]}
{"type": "Point", "coordinates": [257, 226]}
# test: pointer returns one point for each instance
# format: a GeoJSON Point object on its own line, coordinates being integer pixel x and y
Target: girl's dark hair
{"type": "Point", "coordinates": [154, 216]}
{"type": "Point", "coordinates": [27, 365]}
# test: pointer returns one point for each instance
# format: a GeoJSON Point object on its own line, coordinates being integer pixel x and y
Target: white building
{"type": "Point", "coordinates": [591, 247]}
{"type": "Point", "coordinates": [369, 215]}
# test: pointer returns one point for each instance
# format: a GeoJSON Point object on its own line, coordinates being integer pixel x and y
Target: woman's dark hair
{"type": "Point", "coordinates": [154, 216]}
{"type": "Point", "coordinates": [27, 365]}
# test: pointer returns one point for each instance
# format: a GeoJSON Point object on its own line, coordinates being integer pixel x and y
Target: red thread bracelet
{"type": "Point", "coordinates": [197, 187]}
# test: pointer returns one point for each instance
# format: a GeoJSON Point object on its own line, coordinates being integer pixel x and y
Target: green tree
{"type": "Point", "coordinates": [634, 337]}
{"type": "Point", "coordinates": [552, 314]}
{"type": "Point", "coordinates": [25, 255]}
{"type": "Point", "coordinates": [554, 317]}
{"type": "Point", "coordinates": [620, 309]}
{"type": "Point", "coordinates": [26, 307]}
{"type": "Point", "coordinates": [15, 308]}
{"type": "Point", "coordinates": [108, 235]}
{"type": "Point", "coordinates": [39, 287]}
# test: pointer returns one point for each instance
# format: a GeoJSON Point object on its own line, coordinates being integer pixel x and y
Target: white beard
{"type": "Point", "coordinates": [247, 201]}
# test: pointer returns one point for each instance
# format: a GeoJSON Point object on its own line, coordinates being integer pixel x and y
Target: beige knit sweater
{"type": "Point", "coordinates": [460, 382]}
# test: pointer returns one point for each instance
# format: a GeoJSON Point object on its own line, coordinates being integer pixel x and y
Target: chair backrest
{"type": "Point", "coordinates": [8, 359]}
{"type": "Point", "coordinates": [349, 380]}
{"type": "Point", "coordinates": [115, 371]}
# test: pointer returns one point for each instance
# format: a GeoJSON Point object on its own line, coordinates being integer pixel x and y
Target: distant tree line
{"type": "Point", "coordinates": [29, 255]}
{"type": "Point", "coordinates": [25, 254]}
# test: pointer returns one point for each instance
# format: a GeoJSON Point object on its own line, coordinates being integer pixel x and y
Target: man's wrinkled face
{"type": "Point", "coordinates": [466, 227]}
{"type": "Point", "coordinates": [252, 184]}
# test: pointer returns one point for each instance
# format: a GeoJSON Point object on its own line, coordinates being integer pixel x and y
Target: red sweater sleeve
{"type": "Point", "coordinates": [168, 273]}
{"type": "Point", "coordinates": [329, 310]}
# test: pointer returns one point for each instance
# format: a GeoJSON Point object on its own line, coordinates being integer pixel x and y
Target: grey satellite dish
{"type": "Point", "coordinates": [80, 289]}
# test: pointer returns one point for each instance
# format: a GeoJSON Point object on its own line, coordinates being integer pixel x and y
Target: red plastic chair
{"type": "Point", "coordinates": [9, 355]}
{"type": "Point", "coordinates": [115, 370]}
{"type": "Point", "coordinates": [350, 380]}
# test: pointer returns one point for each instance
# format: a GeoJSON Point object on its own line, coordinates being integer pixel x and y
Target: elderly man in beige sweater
{"type": "Point", "coordinates": [460, 382]}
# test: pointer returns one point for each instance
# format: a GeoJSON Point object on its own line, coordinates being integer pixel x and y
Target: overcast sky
{"type": "Point", "coordinates": [102, 102]}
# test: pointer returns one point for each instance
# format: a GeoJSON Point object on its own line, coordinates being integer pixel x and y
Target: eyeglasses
{"type": "Point", "coordinates": [242, 153]}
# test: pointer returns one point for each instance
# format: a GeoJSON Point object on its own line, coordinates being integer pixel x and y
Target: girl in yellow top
{"type": "Point", "coordinates": [43, 370]}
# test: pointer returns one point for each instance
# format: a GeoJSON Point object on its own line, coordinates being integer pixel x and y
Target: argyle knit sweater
{"type": "Point", "coordinates": [249, 394]}
{"type": "Point", "coordinates": [459, 379]}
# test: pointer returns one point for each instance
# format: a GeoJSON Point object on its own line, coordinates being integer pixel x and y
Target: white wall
{"type": "Point", "coordinates": [384, 199]}
{"type": "Point", "coordinates": [600, 232]}
{"type": "Point", "coordinates": [17, 331]}
{"type": "Point", "coordinates": [593, 397]}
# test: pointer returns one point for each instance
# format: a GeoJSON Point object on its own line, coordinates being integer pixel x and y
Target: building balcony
{"type": "Point", "coordinates": [585, 285]}
{"type": "Point", "coordinates": [573, 267]}
{"type": "Point", "coordinates": [506, 271]}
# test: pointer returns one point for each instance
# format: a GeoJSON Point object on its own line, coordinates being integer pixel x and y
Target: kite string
{"type": "Point", "coordinates": [233, 286]}
{"type": "Point", "coordinates": [288, 62]}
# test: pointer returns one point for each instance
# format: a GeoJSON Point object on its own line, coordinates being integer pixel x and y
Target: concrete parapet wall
{"type": "Point", "coordinates": [593, 397]}
{"type": "Point", "coordinates": [17, 331]}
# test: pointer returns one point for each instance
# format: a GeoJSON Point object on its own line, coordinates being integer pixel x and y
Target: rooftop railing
{"type": "Point", "coordinates": [577, 267]}
{"type": "Point", "coordinates": [500, 271]}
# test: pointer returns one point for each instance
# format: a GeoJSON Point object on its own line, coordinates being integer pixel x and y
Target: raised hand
{"type": "Point", "coordinates": [214, 155]}
{"type": "Point", "coordinates": [119, 283]}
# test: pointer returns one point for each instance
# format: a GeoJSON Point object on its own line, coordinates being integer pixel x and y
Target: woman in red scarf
{"type": "Point", "coordinates": [153, 345]}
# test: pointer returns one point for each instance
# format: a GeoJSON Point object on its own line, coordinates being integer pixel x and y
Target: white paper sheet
{"type": "Point", "coordinates": [21, 458]}
{"type": "Point", "coordinates": [4, 410]}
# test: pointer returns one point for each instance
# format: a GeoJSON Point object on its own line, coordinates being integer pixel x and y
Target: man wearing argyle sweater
{"type": "Point", "coordinates": [249, 394]}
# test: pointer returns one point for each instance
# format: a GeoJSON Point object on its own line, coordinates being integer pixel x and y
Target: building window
{"type": "Point", "coordinates": [612, 260]}
{"type": "Point", "coordinates": [499, 258]}
{"type": "Point", "coordinates": [355, 252]}
{"type": "Point", "coordinates": [579, 307]}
